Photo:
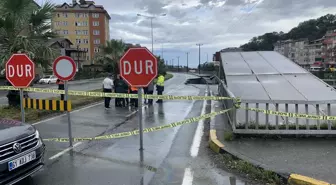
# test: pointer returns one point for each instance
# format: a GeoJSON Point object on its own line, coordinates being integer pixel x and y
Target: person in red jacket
{"type": "Point", "coordinates": [60, 87]}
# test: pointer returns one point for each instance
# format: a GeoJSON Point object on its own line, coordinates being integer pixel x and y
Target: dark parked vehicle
{"type": "Point", "coordinates": [14, 96]}
{"type": "Point", "coordinates": [21, 151]}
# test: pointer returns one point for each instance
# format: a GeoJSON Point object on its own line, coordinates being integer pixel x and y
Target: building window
{"type": "Point", "coordinates": [95, 15]}
{"type": "Point", "coordinates": [96, 50]}
{"type": "Point", "coordinates": [85, 32]}
{"type": "Point", "coordinates": [78, 41]}
{"type": "Point", "coordinates": [86, 14]}
{"type": "Point", "coordinates": [96, 32]}
{"type": "Point", "coordinates": [57, 23]}
{"type": "Point", "coordinates": [65, 32]}
{"type": "Point", "coordinates": [78, 23]}
{"type": "Point", "coordinates": [96, 41]}
{"type": "Point", "coordinates": [78, 32]}
{"type": "Point", "coordinates": [86, 41]}
{"type": "Point", "coordinates": [65, 15]}
{"type": "Point", "coordinates": [77, 15]}
{"type": "Point", "coordinates": [95, 23]}
{"type": "Point", "coordinates": [85, 23]}
{"type": "Point", "coordinates": [65, 23]}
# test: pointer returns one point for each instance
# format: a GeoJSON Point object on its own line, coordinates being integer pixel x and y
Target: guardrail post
{"type": "Point", "coordinates": [246, 116]}
{"type": "Point", "coordinates": [286, 119]}
{"type": "Point", "coordinates": [276, 117]}
{"type": "Point", "coordinates": [257, 116]}
{"type": "Point", "coordinates": [329, 114]}
{"type": "Point", "coordinates": [267, 121]}
{"type": "Point", "coordinates": [307, 120]}
{"type": "Point", "coordinates": [318, 113]}
{"type": "Point", "coordinates": [297, 119]}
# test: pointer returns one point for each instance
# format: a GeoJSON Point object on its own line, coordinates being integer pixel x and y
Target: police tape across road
{"type": "Point", "coordinates": [171, 97]}
{"type": "Point", "coordinates": [118, 95]}
{"type": "Point", "coordinates": [146, 130]}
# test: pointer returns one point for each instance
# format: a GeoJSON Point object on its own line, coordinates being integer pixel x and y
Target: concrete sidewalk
{"type": "Point", "coordinates": [311, 157]}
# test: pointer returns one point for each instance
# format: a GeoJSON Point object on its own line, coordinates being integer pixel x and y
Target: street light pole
{"type": "Point", "coordinates": [151, 18]}
{"type": "Point", "coordinates": [152, 34]}
{"type": "Point", "coordinates": [187, 62]}
{"type": "Point", "coordinates": [199, 57]}
{"type": "Point", "coordinates": [178, 64]}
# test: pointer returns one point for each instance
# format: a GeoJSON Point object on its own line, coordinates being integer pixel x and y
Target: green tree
{"type": "Point", "coordinates": [161, 66]}
{"type": "Point", "coordinates": [311, 29]}
{"type": "Point", "coordinates": [110, 55]}
{"type": "Point", "coordinates": [25, 28]}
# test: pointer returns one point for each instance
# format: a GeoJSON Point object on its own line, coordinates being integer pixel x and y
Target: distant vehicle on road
{"type": "Point", "coordinates": [21, 151]}
{"type": "Point", "coordinates": [48, 80]}
{"type": "Point", "coordinates": [316, 68]}
{"type": "Point", "coordinates": [37, 79]}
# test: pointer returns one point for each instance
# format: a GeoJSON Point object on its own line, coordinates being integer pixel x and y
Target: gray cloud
{"type": "Point", "coordinates": [153, 7]}
{"type": "Point", "coordinates": [117, 18]}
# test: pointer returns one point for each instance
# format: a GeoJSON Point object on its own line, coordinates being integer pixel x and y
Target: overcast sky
{"type": "Point", "coordinates": [216, 24]}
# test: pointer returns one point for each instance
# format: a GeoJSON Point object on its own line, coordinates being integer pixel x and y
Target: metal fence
{"type": "Point", "coordinates": [253, 122]}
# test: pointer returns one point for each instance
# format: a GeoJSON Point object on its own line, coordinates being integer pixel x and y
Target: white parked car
{"type": "Point", "coordinates": [48, 80]}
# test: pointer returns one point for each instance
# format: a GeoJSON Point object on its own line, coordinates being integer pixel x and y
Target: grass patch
{"type": "Point", "coordinates": [252, 172]}
{"type": "Point", "coordinates": [228, 136]}
{"type": "Point", "coordinates": [32, 115]}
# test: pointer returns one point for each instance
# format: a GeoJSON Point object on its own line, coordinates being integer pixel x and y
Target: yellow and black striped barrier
{"type": "Point", "coordinates": [45, 104]}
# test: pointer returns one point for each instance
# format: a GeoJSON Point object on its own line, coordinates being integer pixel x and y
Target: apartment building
{"type": "Point", "coordinates": [314, 55]}
{"type": "Point", "coordinates": [85, 24]}
{"type": "Point", "coordinates": [296, 50]}
{"type": "Point", "coordinates": [329, 48]}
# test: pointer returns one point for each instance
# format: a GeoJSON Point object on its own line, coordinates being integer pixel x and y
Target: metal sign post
{"type": "Point", "coordinates": [64, 68]}
{"type": "Point", "coordinates": [66, 98]}
{"type": "Point", "coordinates": [21, 105]}
{"type": "Point", "coordinates": [140, 117]}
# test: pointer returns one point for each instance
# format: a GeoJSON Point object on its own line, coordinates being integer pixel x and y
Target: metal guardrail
{"type": "Point", "coordinates": [251, 122]}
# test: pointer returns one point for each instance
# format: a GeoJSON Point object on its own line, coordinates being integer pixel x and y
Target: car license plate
{"type": "Point", "coordinates": [21, 161]}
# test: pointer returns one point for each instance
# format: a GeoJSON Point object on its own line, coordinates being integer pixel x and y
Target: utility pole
{"type": "Point", "coordinates": [199, 57]}
{"type": "Point", "coordinates": [187, 62]}
{"type": "Point", "coordinates": [178, 64]}
{"type": "Point", "coordinates": [173, 63]}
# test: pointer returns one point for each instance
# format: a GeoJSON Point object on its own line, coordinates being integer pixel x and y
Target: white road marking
{"type": "Point", "coordinates": [198, 134]}
{"type": "Point", "coordinates": [77, 110]}
{"type": "Point", "coordinates": [188, 176]}
{"type": "Point", "coordinates": [64, 151]}
{"type": "Point", "coordinates": [79, 143]}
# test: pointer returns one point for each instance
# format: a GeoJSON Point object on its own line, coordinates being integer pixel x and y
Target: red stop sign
{"type": "Point", "coordinates": [20, 70]}
{"type": "Point", "coordinates": [138, 67]}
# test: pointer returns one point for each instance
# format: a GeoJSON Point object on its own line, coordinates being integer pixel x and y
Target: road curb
{"type": "Point", "coordinates": [290, 178]}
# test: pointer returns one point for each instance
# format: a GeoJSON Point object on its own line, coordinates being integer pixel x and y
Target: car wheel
{"type": "Point", "coordinates": [48, 82]}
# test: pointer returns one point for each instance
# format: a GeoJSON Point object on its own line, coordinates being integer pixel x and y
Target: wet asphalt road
{"type": "Point", "coordinates": [116, 162]}
{"type": "Point", "coordinates": [80, 85]}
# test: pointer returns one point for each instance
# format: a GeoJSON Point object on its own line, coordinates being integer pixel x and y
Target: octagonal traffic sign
{"type": "Point", "coordinates": [138, 67]}
{"type": "Point", "coordinates": [20, 70]}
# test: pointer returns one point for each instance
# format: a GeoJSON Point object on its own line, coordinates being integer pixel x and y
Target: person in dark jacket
{"type": "Point", "coordinates": [150, 90]}
{"type": "Point", "coordinates": [117, 89]}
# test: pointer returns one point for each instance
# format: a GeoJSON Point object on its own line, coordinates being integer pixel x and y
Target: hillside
{"type": "Point", "coordinates": [311, 29]}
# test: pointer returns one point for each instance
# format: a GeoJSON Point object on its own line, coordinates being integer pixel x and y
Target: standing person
{"type": "Point", "coordinates": [150, 89]}
{"type": "Point", "coordinates": [124, 90]}
{"type": "Point", "coordinates": [117, 87]}
{"type": "Point", "coordinates": [145, 92]}
{"type": "Point", "coordinates": [134, 101]}
{"type": "Point", "coordinates": [107, 88]}
{"type": "Point", "coordinates": [60, 84]}
{"type": "Point", "coordinates": [160, 87]}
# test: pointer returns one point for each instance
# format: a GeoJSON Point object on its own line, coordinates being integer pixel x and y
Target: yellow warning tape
{"type": "Point", "coordinates": [146, 130]}
{"type": "Point", "coordinates": [289, 114]}
{"type": "Point", "coordinates": [119, 95]}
